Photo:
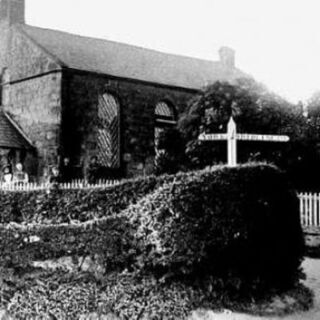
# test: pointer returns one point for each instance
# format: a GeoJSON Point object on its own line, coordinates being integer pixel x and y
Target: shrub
{"type": "Point", "coordinates": [224, 229]}
{"type": "Point", "coordinates": [110, 240]}
{"type": "Point", "coordinates": [65, 206]}
{"type": "Point", "coordinates": [239, 224]}
{"type": "Point", "coordinates": [68, 296]}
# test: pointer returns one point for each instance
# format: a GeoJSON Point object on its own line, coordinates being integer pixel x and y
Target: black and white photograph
{"type": "Point", "coordinates": [159, 160]}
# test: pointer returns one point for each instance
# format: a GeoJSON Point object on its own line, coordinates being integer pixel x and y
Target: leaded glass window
{"type": "Point", "coordinates": [108, 131]}
{"type": "Point", "coordinates": [165, 113]}
{"type": "Point", "coordinates": [165, 118]}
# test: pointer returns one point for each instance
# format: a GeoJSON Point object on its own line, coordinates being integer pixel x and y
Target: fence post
{"type": "Point", "coordinates": [310, 209]}
{"type": "Point", "coordinates": [314, 213]}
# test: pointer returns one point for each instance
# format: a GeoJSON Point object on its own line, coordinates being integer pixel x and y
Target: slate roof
{"type": "Point", "coordinates": [127, 61]}
{"type": "Point", "coordinates": [10, 137]}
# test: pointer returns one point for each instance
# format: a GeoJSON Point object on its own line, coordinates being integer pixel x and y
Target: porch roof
{"type": "Point", "coordinates": [11, 136]}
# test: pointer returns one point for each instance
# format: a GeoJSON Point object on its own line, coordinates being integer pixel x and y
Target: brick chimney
{"type": "Point", "coordinates": [227, 57]}
{"type": "Point", "coordinates": [12, 11]}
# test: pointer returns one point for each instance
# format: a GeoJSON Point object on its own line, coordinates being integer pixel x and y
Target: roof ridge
{"type": "Point", "coordinates": [22, 26]}
{"type": "Point", "coordinates": [127, 61]}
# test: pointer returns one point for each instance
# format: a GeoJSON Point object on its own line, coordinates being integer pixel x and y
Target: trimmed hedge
{"type": "Point", "coordinates": [240, 224]}
{"type": "Point", "coordinates": [235, 223]}
{"type": "Point", "coordinates": [45, 234]}
{"type": "Point", "coordinates": [110, 240]}
{"type": "Point", "coordinates": [108, 235]}
{"type": "Point", "coordinates": [234, 230]}
{"type": "Point", "coordinates": [64, 206]}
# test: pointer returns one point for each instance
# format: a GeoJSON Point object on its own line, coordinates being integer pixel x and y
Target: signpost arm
{"type": "Point", "coordinates": [231, 136]}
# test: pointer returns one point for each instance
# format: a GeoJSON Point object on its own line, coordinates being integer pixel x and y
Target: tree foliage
{"type": "Point", "coordinates": [257, 110]}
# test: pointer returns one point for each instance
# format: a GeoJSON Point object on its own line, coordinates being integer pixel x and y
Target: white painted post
{"type": "Point", "coordinates": [305, 208]}
{"type": "Point", "coordinates": [306, 219]}
{"type": "Point", "coordinates": [310, 209]}
{"type": "Point", "coordinates": [232, 143]}
{"type": "Point", "coordinates": [314, 209]}
{"type": "Point", "coordinates": [318, 213]}
{"type": "Point", "coordinates": [301, 207]}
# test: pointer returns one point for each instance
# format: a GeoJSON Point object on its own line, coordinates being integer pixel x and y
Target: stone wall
{"type": "Point", "coordinates": [34, 97]}
{"type": "Point", "coordinates": [35, 105]}
{"type": "Point", "coordinates": [4, 34]}
{"type": "Point", "coordinates": [38, 103]}
{"type": "Point", "coordinates": [137, 102]}
{"type": "Point", "coordinates": [27, 59]}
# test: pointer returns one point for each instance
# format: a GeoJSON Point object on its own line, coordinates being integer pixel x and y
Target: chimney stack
{"type": "Point", "coordinates": [12, 11]}
{"type": "Point", "coordinates": [227, 57]}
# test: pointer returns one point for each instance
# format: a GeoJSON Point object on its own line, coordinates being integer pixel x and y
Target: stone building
{"type": "Point", "coordinates": [69, 96]}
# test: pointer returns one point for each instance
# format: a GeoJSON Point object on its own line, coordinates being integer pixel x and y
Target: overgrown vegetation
{"type": "Point", "coordinates": [201, 238]}
{"type": "Point", "coordinates": [79, 205]}
{"type": "Point", "coordinates": [240, 225]}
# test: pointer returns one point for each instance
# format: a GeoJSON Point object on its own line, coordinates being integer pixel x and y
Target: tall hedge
{"type": "Point", "coordinates": [231, 223]}
{"type": "Point", "coordinates": [64, 206]}
{"type": "Point", "coordinates": [38, 225]}
{"type": "Point", "coordinates": [110, 240]}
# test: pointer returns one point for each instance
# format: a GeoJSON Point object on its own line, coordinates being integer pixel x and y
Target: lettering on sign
{"type": "Point", "coordinates": [262, 137]}
{"type": "Point", "coordinates": [213, 136]}
{"type": "Point", "coordinates": [232, 136]}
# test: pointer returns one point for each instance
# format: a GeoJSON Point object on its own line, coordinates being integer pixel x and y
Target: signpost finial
{"type": "Point", "coordinates": [232, 146]}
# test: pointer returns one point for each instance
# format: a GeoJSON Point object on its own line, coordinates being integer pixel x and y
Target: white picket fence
{"type": "Point", "coordinates": [75, 184]}
{"type": "Point", "coordinates": [309, 209]}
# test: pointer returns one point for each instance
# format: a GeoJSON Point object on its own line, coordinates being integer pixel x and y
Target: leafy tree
{"type": "Point", "coordinates": [312, 109]}
{"type": "Point", "coordinates": [171, 156]}
{"type": "Point", "coordinates": [255, 110]}
{"type": "Point", "coordinates": [313, 104]}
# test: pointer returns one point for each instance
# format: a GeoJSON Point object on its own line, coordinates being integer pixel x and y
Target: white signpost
{"type": "Point", "coordinates": [232, 136]}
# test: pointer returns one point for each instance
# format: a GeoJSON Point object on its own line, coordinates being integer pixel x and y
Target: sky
{"type": "Point", "coordinates": [276, 41]}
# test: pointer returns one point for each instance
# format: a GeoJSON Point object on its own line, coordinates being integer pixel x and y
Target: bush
{"type": "Point", "coordinates": [65, 206]}
{"type": "Point", "coordinates": [213, 233]}
{"type": "Point", "coordinates": [239, 224]}
{"type": "Point", "coordinates": [232, 223]}
{"type": "Point", "coordinates": [69, 295]}
{"type": "Point", "coordinates": [110, 240]}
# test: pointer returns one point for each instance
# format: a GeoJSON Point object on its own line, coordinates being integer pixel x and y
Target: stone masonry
{"type": "Point", "coordinates": [51, 83]}
{"type": "Point", "coordinates": [137, 113]}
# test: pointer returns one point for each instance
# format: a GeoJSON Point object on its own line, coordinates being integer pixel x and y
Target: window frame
{"type": "Point", "coordinates": [105, 128]}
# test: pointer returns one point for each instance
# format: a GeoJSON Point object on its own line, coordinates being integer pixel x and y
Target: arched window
{"type": "Point", "coordinates": [164, 118]}
{"type": "Point", "coordinates": [108, 131]}
{"type": "Point", "coordinates": [165, 114]}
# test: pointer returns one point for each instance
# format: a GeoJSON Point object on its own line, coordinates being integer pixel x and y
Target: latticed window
{"type": "Point", "coordinates": [165, 113]}
{"type": "Point", "coordinates": [108, 131]}
{"type": "Point", "coordinates": [165, 118]}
